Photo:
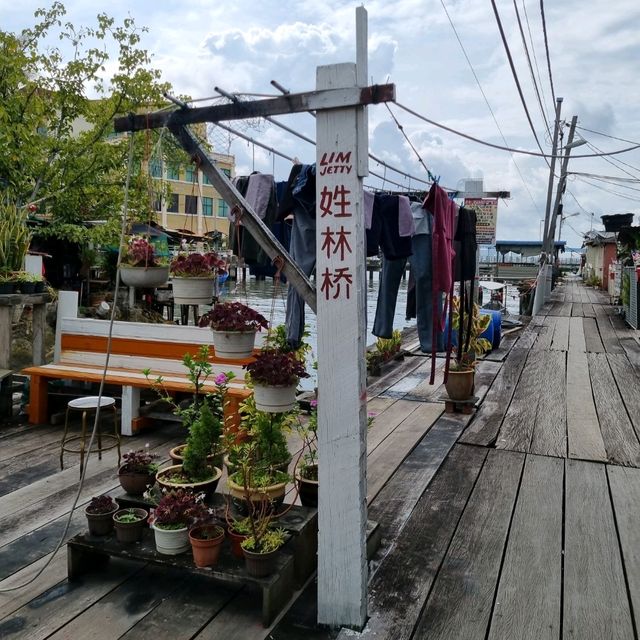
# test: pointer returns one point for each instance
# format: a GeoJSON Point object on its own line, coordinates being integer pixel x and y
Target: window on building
{"type": "Point", "coordinates": [155, 169]}
{"type": "Point", "coordinates": [207, 206]}
{"type": "Point", "coordinates": [223, 209]}
{"type": "Point", "coordinates": [191, 174]}
{"type": "Point", "coordinates": [227, 172]}
{"type": "Point", "coordinates": [173, 203]}
{"type": "Point", "coordinates": [157, 204]}
{"type": "Point", "coordinates": [191, 205]}
{"type": "Point", "coordinates": [173, 173]}
{"type": "Point", "coordinates": [205, 179]}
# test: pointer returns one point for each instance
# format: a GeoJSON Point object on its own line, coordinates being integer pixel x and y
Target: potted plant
{"type": "Point", "coordinates": [204, 419]}
{"type": "Point", "coordinates": [238, 530]}
{"type": "Point", "coordinates": [177, 511]}
{"type": "Point", "coordinates": [274, 377]}
{"type": "Point", "coordinates": [129, 524]}
{"type": "Point", "coordinates": [7, 283]}
{"type": "Point", "coordinates": [206, 543]}
{"type": "Point", "coordinates": [193, 277]}
{"type": "Point", "coordinates": [138, 471]}
{"type": "Point", "coordinates": [460, 379]}
{"type": "Point", "coordinates": [99, 514]}
{"type": "Point", "coordinates": [140, 266]}
{"type": "Point", "coordinates": [234, 327]}
{"type": "Point", "coordinates": [306, 473]}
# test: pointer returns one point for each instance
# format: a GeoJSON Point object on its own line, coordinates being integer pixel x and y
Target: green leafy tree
{"type": "Point", "coordinates": [58, 152]}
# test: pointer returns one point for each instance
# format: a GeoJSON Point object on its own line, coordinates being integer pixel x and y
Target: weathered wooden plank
{"type": "Point", "coordinates": [397, 373]}
{"type": "Point", "coordinates": [550, 432]}
{"type": "Point", "coordinates": [460, 603]}
{"type": "Point", "coordinates": [592, 336]}
{"type": "Point", "coordinates": [529, 592]}
{"type": "Point", "coordinates": [485, 425]}
{"type": "Point", "coordinates": [628, 383]}
{"type": "Point", "coordinates": [181, 616]}
{"type": "Point", "coordinates": [400, 585]}
{"type": "Point", "coordinates": [576, 335]}
{"type": "Point", "coordinates": [560, 340]}
{"type": "Point", "coordinates": [608, 335]}
{"type": "Point", "coordinates": [587, 310]}
{"type": "Point", "coordinates": [384, 460]}
{"type": "Point", "coordinates": [632, 350]}
{"type": "Point", "coordinates": [55, 607]}
{"type": "Point", "coordinates": [123, 607]}
{"type": "Point", "coordinates": [395, 502]}
{"type": "Point", "coordinates": [545, 334]}
{"type": "Point", "coordinates": [562, 309]}
{"type": "Point", "coordinates": [577, 310]}
{"type": "Point", "coordinates": [528, 336]}
{"type": "Point", "coordinates": [583, 428]}
{"type": "Point", "coordinates": [506, 344]}
{"type": "Point", "coordinates": [625, 492]}
{"type": "Point", "coordinates": [387, 420]}
{"type": "Point", "coordinates": [619, 437]}
{"type": "Point", "coordinates": [520, 419]}
{"type": "Point", "coordinates": [596, 604]}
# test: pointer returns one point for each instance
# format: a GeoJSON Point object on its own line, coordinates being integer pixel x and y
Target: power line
{"type": "Point", "coordinates": [546, 48]}
{"type": "Point", "coordinates": [493, 115]}
{"type": "Point", "coordinates": [606, 135]}
{"type": "Point", "coordinates": [535, 61]}
{"type": "Point", "coordinates": [514, 73]}
{"type": "Point", "coordinates": [616, 193]}
{"type": "Point", "coordinates": [510, 149]}
{"type": "Point", "coordinates": [616, 163]}
{"type": "Point", "coordinates": [533, 77]}
{"type": "Point", "coordinates": [603, 177]}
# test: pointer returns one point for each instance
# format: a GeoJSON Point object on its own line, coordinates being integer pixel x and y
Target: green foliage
{"type": "Point", "coordinates": [269, 541]}
{"type": "Point", "coordinates": [476, 345]}
{"type": "Point", "coordinates": [14, 237]}
{"type": "Point", "coordinates": [625, 289]}
{"type": "Point", "coordinates": [57, 147]}
{"type": "Point", "coordinates": [204, 430]}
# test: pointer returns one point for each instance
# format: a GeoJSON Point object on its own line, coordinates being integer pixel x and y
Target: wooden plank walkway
{"type": "Point", "coordinates": [519, 521]}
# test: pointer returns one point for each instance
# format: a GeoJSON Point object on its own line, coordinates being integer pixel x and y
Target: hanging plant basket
{"type": "Point", "coordinates": [236, 345]}
{"type": "Point", "coordinates": [144, 277]}
{"type": "Point", "coordinates": [274, 399]}
{"type": "Point", "coordinates": [193, 290]}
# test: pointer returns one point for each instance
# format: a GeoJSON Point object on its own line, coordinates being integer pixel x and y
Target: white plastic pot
{"type": "Point", "coordinates": [144, 277]}
{"type": "Point", "coordinates": [193, 290]}
{"type": "Point", "coordinates": [237, 345]}
{"type": "Point", "coordinates": [274, 399]}
{"type": "Point", "coordinates": [171, 542]}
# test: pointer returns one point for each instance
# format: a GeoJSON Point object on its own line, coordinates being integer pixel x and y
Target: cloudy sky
{"type": "Point", "coordinates": [594, 49]}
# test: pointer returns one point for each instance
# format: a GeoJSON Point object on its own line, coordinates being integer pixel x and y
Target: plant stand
{"type": "Point", "coordinates": [85, 553]}
{"type": "Point", "coordinates": [466, 407]}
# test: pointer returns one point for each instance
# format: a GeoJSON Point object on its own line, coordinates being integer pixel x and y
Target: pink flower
{"type": "Point", "coordinates": [221, 379]}
{"type": "Point", "coordinates": [313, 403]}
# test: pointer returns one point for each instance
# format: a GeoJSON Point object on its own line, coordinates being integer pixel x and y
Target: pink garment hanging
{"type": "Point", "coordinates": [444, 212]}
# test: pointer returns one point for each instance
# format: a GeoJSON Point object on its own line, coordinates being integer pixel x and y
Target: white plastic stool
{"type": "Point", "coordinates": [87, 404]}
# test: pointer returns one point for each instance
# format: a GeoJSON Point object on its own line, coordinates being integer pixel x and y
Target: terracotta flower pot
{"type": "Point", "coordinates": [100, 524]}
{"type": "Point", "coordinates": [171, 542]}
{"type": "Point", "coordinates": [206, 549]}
{"type": "Point", "coordinates": [260, 565]}
{"type": "Point", "coordinates": [274, 399]}
{"type": "Point", "coordinates": [207, 487]}
{"type": "Point", "coordinates": [130, 532]}
{"type": "Point", "coordinates": [307, 489]}
{"type": "Point", "coordinates": [459, 384]}
{"type": "Point", "coordinates": [273, 493]}
{"type": "Point", "coordinates": [236, 540]}
{"type": "Point", "coordinates": [135, 484]}
{"type": "Point", "coordinates": [177, 455]}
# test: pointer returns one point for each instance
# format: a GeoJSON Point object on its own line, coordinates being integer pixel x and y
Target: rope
{"type": "Point", "coordinates": [63, 536]}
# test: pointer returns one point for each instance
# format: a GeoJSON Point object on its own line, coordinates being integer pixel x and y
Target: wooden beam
{"type": "Point", "coordinates": [251, 221]}
{"type": "Point", "coordinates": [342, 416]}
{"type": "Point", "coordinates": [290, 103]}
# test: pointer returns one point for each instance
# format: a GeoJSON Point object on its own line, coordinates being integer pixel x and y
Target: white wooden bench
{"type": "Point", "coordinates": [135, 346]}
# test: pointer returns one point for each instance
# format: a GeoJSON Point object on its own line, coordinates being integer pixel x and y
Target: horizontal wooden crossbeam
{"type": "Point", "coordinates": [290, 103]}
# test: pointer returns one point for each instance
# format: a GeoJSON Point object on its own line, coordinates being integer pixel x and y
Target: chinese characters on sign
{"type": "Point", "coordinates": [336, 224]}
{"type": "Point", "coordinates": [486, 218]}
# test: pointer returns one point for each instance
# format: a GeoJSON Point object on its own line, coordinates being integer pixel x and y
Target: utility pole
{"type": "Point", "coordinates": [557, 206]}
{"type": "Point", "coordinates": [538, 300]}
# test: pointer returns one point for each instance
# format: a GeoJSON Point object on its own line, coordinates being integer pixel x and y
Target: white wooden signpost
{"type": "Point", "coordinates": [339, 299]}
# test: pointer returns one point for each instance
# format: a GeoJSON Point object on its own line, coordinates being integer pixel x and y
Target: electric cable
{"type": "Point", "coordinates": [546, 48]}
{"type": "Point", "coordinates": [602, 177]}
{"type": "Point", "coordinates": [535, 62]}
{"type": "Point", "coordinates": [515, 74]}
{"type": "Point", "coordinates": [614, 162]}
{"type": "Point", "coordinates": [533, 77]}
{"type": "Point", "coordinates": [123, 229]}
{"type": "Point", "coordinates": [616, 193]}
{"type": "Point", "coordinates": [606, 135]}
{"type": "Point", "coordinates": [484, 95]}
{"type": "Point", "coordinates": [503, 148]}
{"type": "Point", "coordinates": [381, 162]}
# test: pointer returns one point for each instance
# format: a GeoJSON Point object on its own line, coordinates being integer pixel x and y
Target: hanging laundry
{"type": "Point", "coordinates": [444, 213]}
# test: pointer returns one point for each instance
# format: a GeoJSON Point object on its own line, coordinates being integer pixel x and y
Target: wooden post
{"type": "Point", "coordinates": [6, 315]}
{"type": "Point", "coordinates": [342, 423]}
{"type": "Point", "coordinates": [67, 308]}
